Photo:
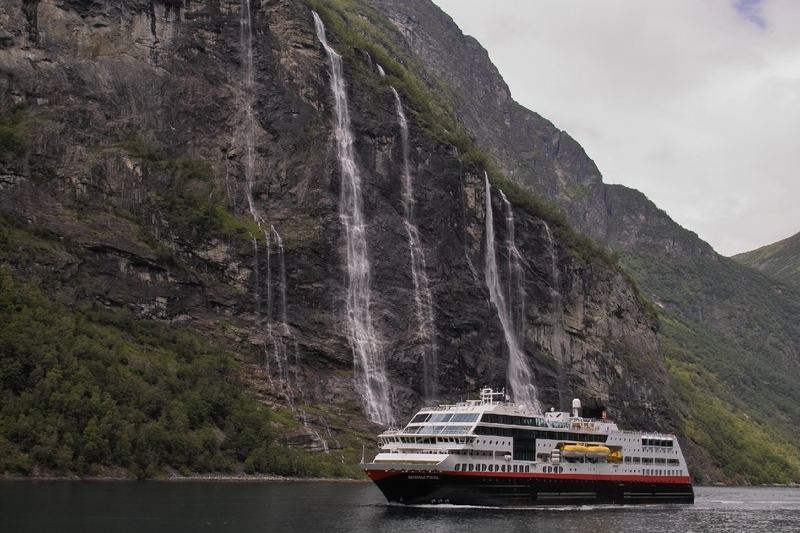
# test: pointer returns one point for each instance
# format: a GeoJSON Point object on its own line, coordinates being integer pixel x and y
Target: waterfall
{"type": "Point", "coordinates": [423, 302]}
{"type": "Point", "coordinates": [256, 276]}
{"type": "Point", "coordinates": [515, 289]}
{"type": "Point", "coordinates": [368, 359]}
{"type": "Point", "coordinates": [278, 334]}
{"type": "Point", "coordinates": [558, 336]}
{"type": "Point", "coordinates": [520, 377]}
{"type": "Point", "coordinates": [248, 94]}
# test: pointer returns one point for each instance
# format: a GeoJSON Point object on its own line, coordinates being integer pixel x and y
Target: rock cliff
{"type": "Point", "coordinates": [158, 177]}
{"type": "Point", "coordinates": [720, 321]}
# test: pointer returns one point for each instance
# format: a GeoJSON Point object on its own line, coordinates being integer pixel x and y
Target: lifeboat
{"type": "Point", "coordinates": [597, 452]}
{"type": "Point", "coordinates": [615, 456]}
{"type": "Point", "coordinates": [574, 450]}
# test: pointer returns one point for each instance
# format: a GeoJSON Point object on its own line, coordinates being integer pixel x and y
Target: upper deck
{"type": "Point", "coordinates": [462, 419]}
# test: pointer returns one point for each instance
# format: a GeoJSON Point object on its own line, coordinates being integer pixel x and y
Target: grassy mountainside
{"type": "Point", "coordinates": [173, 231]}
{"type": "Point", "coordinates": [731, 335]}
{"type": "Point", "coordinates": [780, 260]}
{"type": "Point", "coordinates": [92, 391]}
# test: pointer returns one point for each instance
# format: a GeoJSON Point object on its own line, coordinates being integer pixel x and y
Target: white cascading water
{"type": "Point", "coordinates": [275, 346]}
{"type": "Point", "coordinates": [423, 301]}
{"type": "Point", "coordinates": [278, 333]}
{"type": "Point", "coordinates": [368, 359]}
{"type": "Point", "coordinates": [248, 95]}
{"type": "Point", "coordinates": [519, 375]}
{"type": "Point", "coordinates": [558, 337]}
{"type": "Point", "coordinates": [515, 273]}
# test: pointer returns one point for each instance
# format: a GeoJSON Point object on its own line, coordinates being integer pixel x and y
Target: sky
{"type": "Point", "coordinates": [696, 103]}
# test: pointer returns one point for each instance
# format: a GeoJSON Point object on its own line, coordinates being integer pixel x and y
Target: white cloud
{"type": "Point", "coordinates": [694, 102]}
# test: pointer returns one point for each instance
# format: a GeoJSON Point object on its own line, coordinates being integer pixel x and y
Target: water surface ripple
{"type": "Point", "coordinates": [319, 507]}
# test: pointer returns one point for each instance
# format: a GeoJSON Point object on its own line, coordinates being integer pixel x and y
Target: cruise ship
{"type": "Point", "coordinates": [492, 452]}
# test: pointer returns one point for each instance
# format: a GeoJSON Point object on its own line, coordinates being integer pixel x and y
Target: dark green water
{"type": "Point", "coordinates": [313, 507]}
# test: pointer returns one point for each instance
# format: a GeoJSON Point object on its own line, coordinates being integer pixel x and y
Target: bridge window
{"type": "Point", "coordinates": [465, 417]}
{"type": "Point", "coordinates": [420, 418]}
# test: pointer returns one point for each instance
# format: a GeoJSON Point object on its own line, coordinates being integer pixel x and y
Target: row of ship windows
{"type": "Point", "coordinates": [481, 467]}
{"type": "Point", "coordinates": [445, 417]}
{"type": "Point", "coordinates": [447, 430]}
{"type": "Point", "coordinates": [650, 460]}
{"type": "Point", "coordinates": [425, 440]}
{"type": "Point", "coordinates": [491, 468]}
{"type": "Point", "coordinates": [651, 472]}
{"type": "Point", "coordinates": [539, 434]}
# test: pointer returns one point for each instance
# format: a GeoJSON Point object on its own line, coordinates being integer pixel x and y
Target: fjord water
{"type": "Point", "coordinates": [268, 507]}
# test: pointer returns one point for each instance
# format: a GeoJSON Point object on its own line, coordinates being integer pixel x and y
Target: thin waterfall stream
{"type": "Point", "coordinates": [248, 96]}
{"type": "Point", "coordinates": [519, 374]}
{"type": "Point", "coordinates": [557, 347]}
{"type": "Point", "coordinates": [368, 358]}
{"type": "Point", "coordinates": [423, 302]}
{"type": "Point", "coordinates": [278, 334]}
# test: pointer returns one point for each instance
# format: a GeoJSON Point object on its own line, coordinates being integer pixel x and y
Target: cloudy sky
{"type": "Point", "coordinates": [694, 102]}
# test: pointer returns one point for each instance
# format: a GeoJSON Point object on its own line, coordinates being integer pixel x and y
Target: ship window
{"type": "Point", "coordinates": [465, 417]}
{"type": "Point", "coordinates": [483, 468]}
{"type": "Point", "coordinates": [441, 417]}
{"type": "Point", "coordinates": [627, 460]}
{"type": "Point", "coordinates": [673, 461]}
{"type": "Point", "coordinates": [515, 468]}
{"type": "Point", "coordinates": [420, 418]}
{"type": "Point", "coordinates": [471, 467]}
{"type": "Point", "coordinates": [458, 467]}
{"type": "Point", "coordinates": [636, 460]}
{"type": "Point", "coordinates": [527, 469]}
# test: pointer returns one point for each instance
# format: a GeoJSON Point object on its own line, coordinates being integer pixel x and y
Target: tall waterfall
{"type": "Point", "coordinates": [368, 359]}
{"type": "Point", "coordinates": [520, 377]}
{"type": "Point", "coordinates": [248, 95]}
{"type": "Point", "coordinates": [423, 302]}
{"type": "Point", "coordinates": [558, 337]}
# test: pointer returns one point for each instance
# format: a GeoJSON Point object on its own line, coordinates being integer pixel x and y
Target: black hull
{"type": "Point", "coordinates": [499, 491]}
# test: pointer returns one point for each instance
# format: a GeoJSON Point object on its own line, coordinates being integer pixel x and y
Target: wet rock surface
{"type": "Point", "coordinates": [134, 171]}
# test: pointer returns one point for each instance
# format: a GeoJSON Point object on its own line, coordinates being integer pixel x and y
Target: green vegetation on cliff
{"type": "Point", "coordinates": [89, 390]}
{"type": "Point", "coordinates": [740, 435]}
{"type": "Point", "coordinates": [780, 260]}
{"type": "Point", "coordinates": [361, 27]}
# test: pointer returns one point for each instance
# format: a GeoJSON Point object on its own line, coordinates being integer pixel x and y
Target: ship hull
{"type": "Point", "coordinates": [418, 488]}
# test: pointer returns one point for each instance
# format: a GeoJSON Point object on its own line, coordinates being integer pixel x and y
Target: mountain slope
{"type": "Point", "coordinates": [737, 328]}
{"type": "Point", "coordinates": [780, 260]}
{"type": "Point", "coordinates": [160, 161]}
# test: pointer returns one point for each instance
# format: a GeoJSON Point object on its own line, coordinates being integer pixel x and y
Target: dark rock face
{"type": "Point", "coordinates": [744, 326]}
{"type": "Point", "coordinates": [134, 168]}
